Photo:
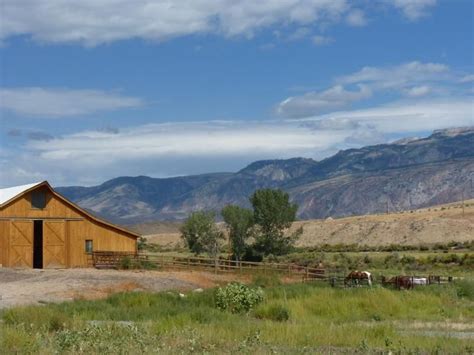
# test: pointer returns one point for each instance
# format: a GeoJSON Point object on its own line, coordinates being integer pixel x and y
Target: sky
{"type": "Point", "coordinates": [97, 89]}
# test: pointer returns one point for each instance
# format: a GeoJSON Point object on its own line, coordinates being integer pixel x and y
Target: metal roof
{"type": "Point", "coordinates": [10, 192]}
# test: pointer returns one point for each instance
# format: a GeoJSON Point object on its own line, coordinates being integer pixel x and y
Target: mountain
{"type": "Point", "coordinates": [404, 175]}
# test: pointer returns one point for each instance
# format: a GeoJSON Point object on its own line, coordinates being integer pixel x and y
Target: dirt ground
{"type": "Point", "coordinates": [32, 286]}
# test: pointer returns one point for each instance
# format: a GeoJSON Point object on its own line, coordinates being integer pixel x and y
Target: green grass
{"type": "Point", "coordinates": [292, 319]}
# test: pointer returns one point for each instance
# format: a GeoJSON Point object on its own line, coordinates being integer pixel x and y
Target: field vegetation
{"type": "Point", "coordinates": [297, 318]}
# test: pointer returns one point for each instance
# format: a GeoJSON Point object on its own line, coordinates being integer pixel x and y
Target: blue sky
{"type": "Point", "coordinates": [99, 89]}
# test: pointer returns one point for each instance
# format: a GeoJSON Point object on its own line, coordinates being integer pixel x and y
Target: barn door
{"type": "Point", "coordinates": [54, 244]}
{"type": "Point", "coordinates": [21, 244]}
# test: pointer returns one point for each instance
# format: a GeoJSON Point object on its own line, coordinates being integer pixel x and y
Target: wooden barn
{"type": "Point", "coordinates": [39, 228]}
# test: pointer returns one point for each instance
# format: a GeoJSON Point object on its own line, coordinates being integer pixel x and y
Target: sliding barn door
{"type": "Point", "coordinates": [54, 244]}
{"type": "Point", "coordinates": [21, 244]}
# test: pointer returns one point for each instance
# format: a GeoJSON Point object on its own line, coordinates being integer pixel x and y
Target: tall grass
{"type": "Point", "coordinates": [292, 318]}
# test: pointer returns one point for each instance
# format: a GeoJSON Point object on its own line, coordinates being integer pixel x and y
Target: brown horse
{"type": "Point", "coordinates": [356, 277]}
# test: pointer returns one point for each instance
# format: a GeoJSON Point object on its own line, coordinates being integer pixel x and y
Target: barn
{"type": "Point", "coordinates": [39, 228]}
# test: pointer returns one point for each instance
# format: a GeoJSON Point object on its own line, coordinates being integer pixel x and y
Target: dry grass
{"type": "Point", "coordinates": [439, 224]}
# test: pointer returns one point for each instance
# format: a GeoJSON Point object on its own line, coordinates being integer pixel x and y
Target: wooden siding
{"type": "Point", "coordinates": [55, 208]}
{"type": "Point", "coordinates": [65, 230]}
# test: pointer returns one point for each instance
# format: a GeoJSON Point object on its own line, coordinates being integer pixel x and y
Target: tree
{"type": "Point", "coordinates": [273, 213]}
{"type": "Point", "coordinates": [201, 234]}
{"type": "Point", "coordinates": [240, 224]}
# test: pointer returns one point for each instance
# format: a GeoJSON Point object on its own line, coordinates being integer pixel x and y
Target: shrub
{"type": "Point", "coordinates": [238, 298]}
{"type": "Point", "coordinates": [275, 312]}
{"type": "Point", "coordinates": [125, 263]}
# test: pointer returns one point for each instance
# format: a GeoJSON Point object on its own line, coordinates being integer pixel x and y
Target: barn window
{"type": "Point", "coordinates": [89, 247]}
{"type": "Point", "coordinates": [38, 199]}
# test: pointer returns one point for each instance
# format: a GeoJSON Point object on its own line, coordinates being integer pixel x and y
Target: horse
{"type": "Point", "coordinates": [423, 281]}
{"type": "Point", "coordinates": [355, 277]}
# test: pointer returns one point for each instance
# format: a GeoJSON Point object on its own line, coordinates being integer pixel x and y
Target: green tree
{"type": "Point", "coordinates": [239, 222]}
{"type": "Point", "coordinates": [201, 235]}
{"type": "Point", "coordinates": [273, 213]}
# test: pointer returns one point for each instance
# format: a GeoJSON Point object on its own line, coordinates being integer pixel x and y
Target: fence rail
{"type": "Point", "coordinates": [108, 260]}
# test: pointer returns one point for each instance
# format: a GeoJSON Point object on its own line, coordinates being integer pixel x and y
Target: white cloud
{"type": "Point", "coordinates": [418, 91]}
{"type": "Point", "coordinates": [92, 22]}
{"type": "Point", "coordinates": [316, 102]}
{"type": "Point", "coordinates": [413, 9]}
{"type": "Point", "coordinates": [413, 79]}
{"type": "Point", "coordinates": [298, 34]}
{"type": "Point", "coordinates": [356, 18]}
{"type": "Point", "coordinates": [467, 79]}
{"type": "Point", "coordinates": [398, 76]}
{"type": "Point", "coordinates": [198, 147]}
{"type": "Point", "coordinates": [319, 40]}
{"type": "Point", "coordinates": [55, 103]}
{"type": "Point", "coordinates": [405, 116]}
{"type": "Point", "coordinates": [216, 138]}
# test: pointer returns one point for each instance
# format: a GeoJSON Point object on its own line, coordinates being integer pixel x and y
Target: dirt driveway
{"type": "Point", "coordinates": [30, 286]}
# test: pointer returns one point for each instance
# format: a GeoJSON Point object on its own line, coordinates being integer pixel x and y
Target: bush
{"type": "Point", "coordinates": [275, 312]}
{"type": "Point", "coordinates": [238, 298]}
{"type": "Point", "coordinates": [126, 263]}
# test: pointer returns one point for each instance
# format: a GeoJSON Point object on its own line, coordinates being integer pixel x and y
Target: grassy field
{"type": "Point", "coordinates": [432, 319]}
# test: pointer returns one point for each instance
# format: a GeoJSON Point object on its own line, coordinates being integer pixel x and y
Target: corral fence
{"type": "Point", "coordinates": [336, 278]}
{"type": "Point", "coordinates": [112, 260]}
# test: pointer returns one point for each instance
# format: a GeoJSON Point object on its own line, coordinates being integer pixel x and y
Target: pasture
{"type": "Point", "coordinates": [431, 319]}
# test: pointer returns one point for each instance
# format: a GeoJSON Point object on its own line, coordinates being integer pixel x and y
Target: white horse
{"type": "Point", "coordinates": [369, 277]}
{"type": "Point", "coordinates": [420, 281]}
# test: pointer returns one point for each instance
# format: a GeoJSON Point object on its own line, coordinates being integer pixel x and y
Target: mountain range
{"type": "Point", "coordinates": [404, 175]}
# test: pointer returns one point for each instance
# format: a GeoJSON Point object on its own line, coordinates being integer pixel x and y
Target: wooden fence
{"type": "Point", "coordinates": [108, 260]}
{"type": "Point", "coordinates": [336, 278]}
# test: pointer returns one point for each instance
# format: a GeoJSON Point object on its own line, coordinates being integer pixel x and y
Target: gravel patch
{"type": "Point", "coordinates": [32, 286]}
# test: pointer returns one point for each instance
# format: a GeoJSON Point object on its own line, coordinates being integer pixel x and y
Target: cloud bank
{"type": "Point", "coordinates": [92, 22]}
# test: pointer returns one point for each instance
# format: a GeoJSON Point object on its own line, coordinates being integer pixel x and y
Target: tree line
{"type": "Point", "coordinates": [253, 233]}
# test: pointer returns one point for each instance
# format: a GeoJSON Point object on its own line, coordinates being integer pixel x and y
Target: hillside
{"type": "Point", "coordinates": [438, 224]}
{"type": "Point", "coordinates": [408, 174]}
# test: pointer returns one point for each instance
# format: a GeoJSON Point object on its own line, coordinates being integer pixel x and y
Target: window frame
{"type": "Point", "coordinates": [33, 199]}
{"type": "Point", "coordinates": [88, 242]}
